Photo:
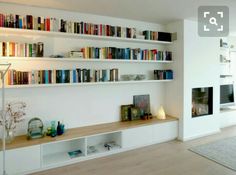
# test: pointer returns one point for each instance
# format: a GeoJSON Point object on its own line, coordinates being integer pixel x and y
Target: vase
{"type": "Point", "coordinates": [9, 135]}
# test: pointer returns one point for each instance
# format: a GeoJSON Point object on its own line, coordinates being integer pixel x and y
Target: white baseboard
{"type": "Point", "coordinates": [200, 135]}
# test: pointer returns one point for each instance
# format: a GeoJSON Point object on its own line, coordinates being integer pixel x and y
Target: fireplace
{"type": "Point", "coordinates": [202, 101]}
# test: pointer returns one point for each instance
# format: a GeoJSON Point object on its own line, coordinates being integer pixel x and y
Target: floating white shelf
{"type": "Point", "coordinates": [36, 33]}
{"type": "Point", "coordinates": [83, 84]}
{"type": "Point", "coordinates": [80, 60]}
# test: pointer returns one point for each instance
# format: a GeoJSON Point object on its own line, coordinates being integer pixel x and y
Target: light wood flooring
{"type": "Point", "coordinates": [171, 158]}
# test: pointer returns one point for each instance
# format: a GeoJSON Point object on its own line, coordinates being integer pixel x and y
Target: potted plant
{"type": "Point", "coordinates": [14, 114]}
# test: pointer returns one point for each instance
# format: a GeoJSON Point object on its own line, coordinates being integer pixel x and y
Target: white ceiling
{"type": "Point", "coordinates": [157, 11]}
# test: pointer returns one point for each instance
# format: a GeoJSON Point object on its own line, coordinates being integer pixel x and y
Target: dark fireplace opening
{"type": "Point", "coordinates": [202, 101]}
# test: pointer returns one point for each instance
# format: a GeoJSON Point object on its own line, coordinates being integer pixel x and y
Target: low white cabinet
{"type": "Point", "coordinates": [105, 141]}
{"type": "Point", "coordinates": [164, 132]}
{"type": "Point", "coordinates": [137, 137]}
{"type": "Point", "coordinates": [151, 134]}
{"type": "Point", "coordinates": [22, 160]}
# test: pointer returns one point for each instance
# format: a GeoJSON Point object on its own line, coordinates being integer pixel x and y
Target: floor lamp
{"type": "Point", "coordinates": [4, 67]}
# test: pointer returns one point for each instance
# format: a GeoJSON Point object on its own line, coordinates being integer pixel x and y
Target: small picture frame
{"type": "Point", "coordinates": [135, 113]}
{"type": "Point", "coordinates": [126, 112]}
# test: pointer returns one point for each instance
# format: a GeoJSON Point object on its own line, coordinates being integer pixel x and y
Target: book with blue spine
{"type": "Point", "coordinates": [46, 77]}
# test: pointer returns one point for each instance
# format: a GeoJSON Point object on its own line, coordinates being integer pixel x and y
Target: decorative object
{"type": "Point", "coordinates": [143, 103]}
{"type": "Point", "coordinates": [140, 77]}
{"type": "Point", "coordinates": [13, 114]}
{"type": "Point", "coordinates": [147, 116]}
{"type": "Point", "coordinates": [132, 77]}
{"type": "Point", "coordinates": [126, 112]}
{"type": "Point", "coordinates": [35, 128]}
{"type": "Point", "coordinates": [53, 129]}
{"type": "Point", "coordinates": [161, 113]}
{"type": "Point", "coordinates": [60, 128]}
{"type": "Point", "coordinates": [135, 113]}
{"type": "Point", "coordinates": [111, 145]}
{"type": "Point", "coordinates": [3, 71]}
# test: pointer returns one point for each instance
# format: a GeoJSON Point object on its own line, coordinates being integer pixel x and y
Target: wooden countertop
{"type": "Point", "coordinates": [21, 141]}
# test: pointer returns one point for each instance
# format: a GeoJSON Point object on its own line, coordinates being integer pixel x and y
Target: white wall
{"type": "Point", "coordinates": [174, 90]}
{"type": "Point", "coordinates": [201, 69]}
{"type": "Point", "coordinates": [86, 105]}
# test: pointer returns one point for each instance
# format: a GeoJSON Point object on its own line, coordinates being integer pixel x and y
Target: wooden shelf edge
{"type": "Point", "coordinates": [8, 31]}
{"type": "Point", "coordinates": [86, 131]}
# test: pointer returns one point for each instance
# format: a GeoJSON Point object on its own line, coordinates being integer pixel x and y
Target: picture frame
{"type": "Point", "coordinates": [126, 112]}
{"type": "Point", "coordinates": [143, 103]}
{"type": "Point", "coordinates": [135, 113]}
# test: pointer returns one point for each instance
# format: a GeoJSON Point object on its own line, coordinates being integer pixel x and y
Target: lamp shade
{"type": "Point", "coordinates": [161, 113]}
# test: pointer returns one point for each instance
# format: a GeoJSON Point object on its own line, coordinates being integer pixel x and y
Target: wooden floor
{"type": "Point", "coordinates": [171, 158]}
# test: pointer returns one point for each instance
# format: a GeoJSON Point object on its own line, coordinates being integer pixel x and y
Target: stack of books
{"type": "Point", "coordinates": [163, 74]}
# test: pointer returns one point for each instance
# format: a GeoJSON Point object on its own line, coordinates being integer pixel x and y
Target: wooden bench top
{"type": "Point", "coordinates": [21, 141]}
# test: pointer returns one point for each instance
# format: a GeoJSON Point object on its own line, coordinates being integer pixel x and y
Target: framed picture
{"type": "Point", "coordinates": [126, 112]}
{"type": "Point", "coordinates": [135, 113]}
{"type": "Point", "coordinates": [143, 103]}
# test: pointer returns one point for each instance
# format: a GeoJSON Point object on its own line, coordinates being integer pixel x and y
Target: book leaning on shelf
{"type": "Point", "coordinates": [78, 75]}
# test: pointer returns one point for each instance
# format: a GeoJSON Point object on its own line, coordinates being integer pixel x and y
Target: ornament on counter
{"type": "Point", "coordinates": [60, 128]}
{"type": "Point", "coordinates": [35, 128]}
{"type": "Point", "coordinates": [161, 113]}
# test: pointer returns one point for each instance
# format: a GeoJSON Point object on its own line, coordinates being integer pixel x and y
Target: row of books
{"type": "Point", "coordinates": [60, 25]}
{"type": "Point", "coordinates": [15, 49]}
{"type": "Point", "coordinates": [15, 77]}
{"type": "Point", "coordinates": [160, 36]}
{"type": "Point", "coordinates": [126, 53]}
{"type": "Point", "coordinates": [163, 74]}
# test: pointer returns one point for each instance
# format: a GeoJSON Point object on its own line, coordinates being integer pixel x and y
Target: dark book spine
{"type": "Point", "coordinates": [39, 23]}
{"type": "Point", "coordinates": [79, 75]}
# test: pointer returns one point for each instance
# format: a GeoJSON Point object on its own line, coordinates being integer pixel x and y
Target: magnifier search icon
{"type": "Point", "coordinates": [212, 20]}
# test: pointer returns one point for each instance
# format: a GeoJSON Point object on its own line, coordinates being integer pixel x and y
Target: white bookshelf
{"type": "Point", "coordinates": [37, 33]}
{"type": "Point", "coordinates": [85, 84]}
{"type": "Point", "coordinates": [6, 59]}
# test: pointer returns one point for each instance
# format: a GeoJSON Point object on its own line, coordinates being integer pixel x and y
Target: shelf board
{"type": "Point", "coordinates": [26, 32]}
{"type": "Point", "coordinates": [81, 60]}
{"type": "Point", "coordinates": [58, 158]}
{"type": "Point", "coordinates": [74, 133]}
{"type": "Point", "coordinates": [84, 84]}
{"type": "Point", "coordinates": [102, 150]}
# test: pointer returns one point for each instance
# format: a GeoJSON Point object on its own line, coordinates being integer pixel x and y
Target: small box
{"type": "Point", "coordinates": [75, 54]}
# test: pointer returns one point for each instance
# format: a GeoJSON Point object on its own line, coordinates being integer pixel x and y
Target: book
{"type": "Point", "coordinates": [76, 153]}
